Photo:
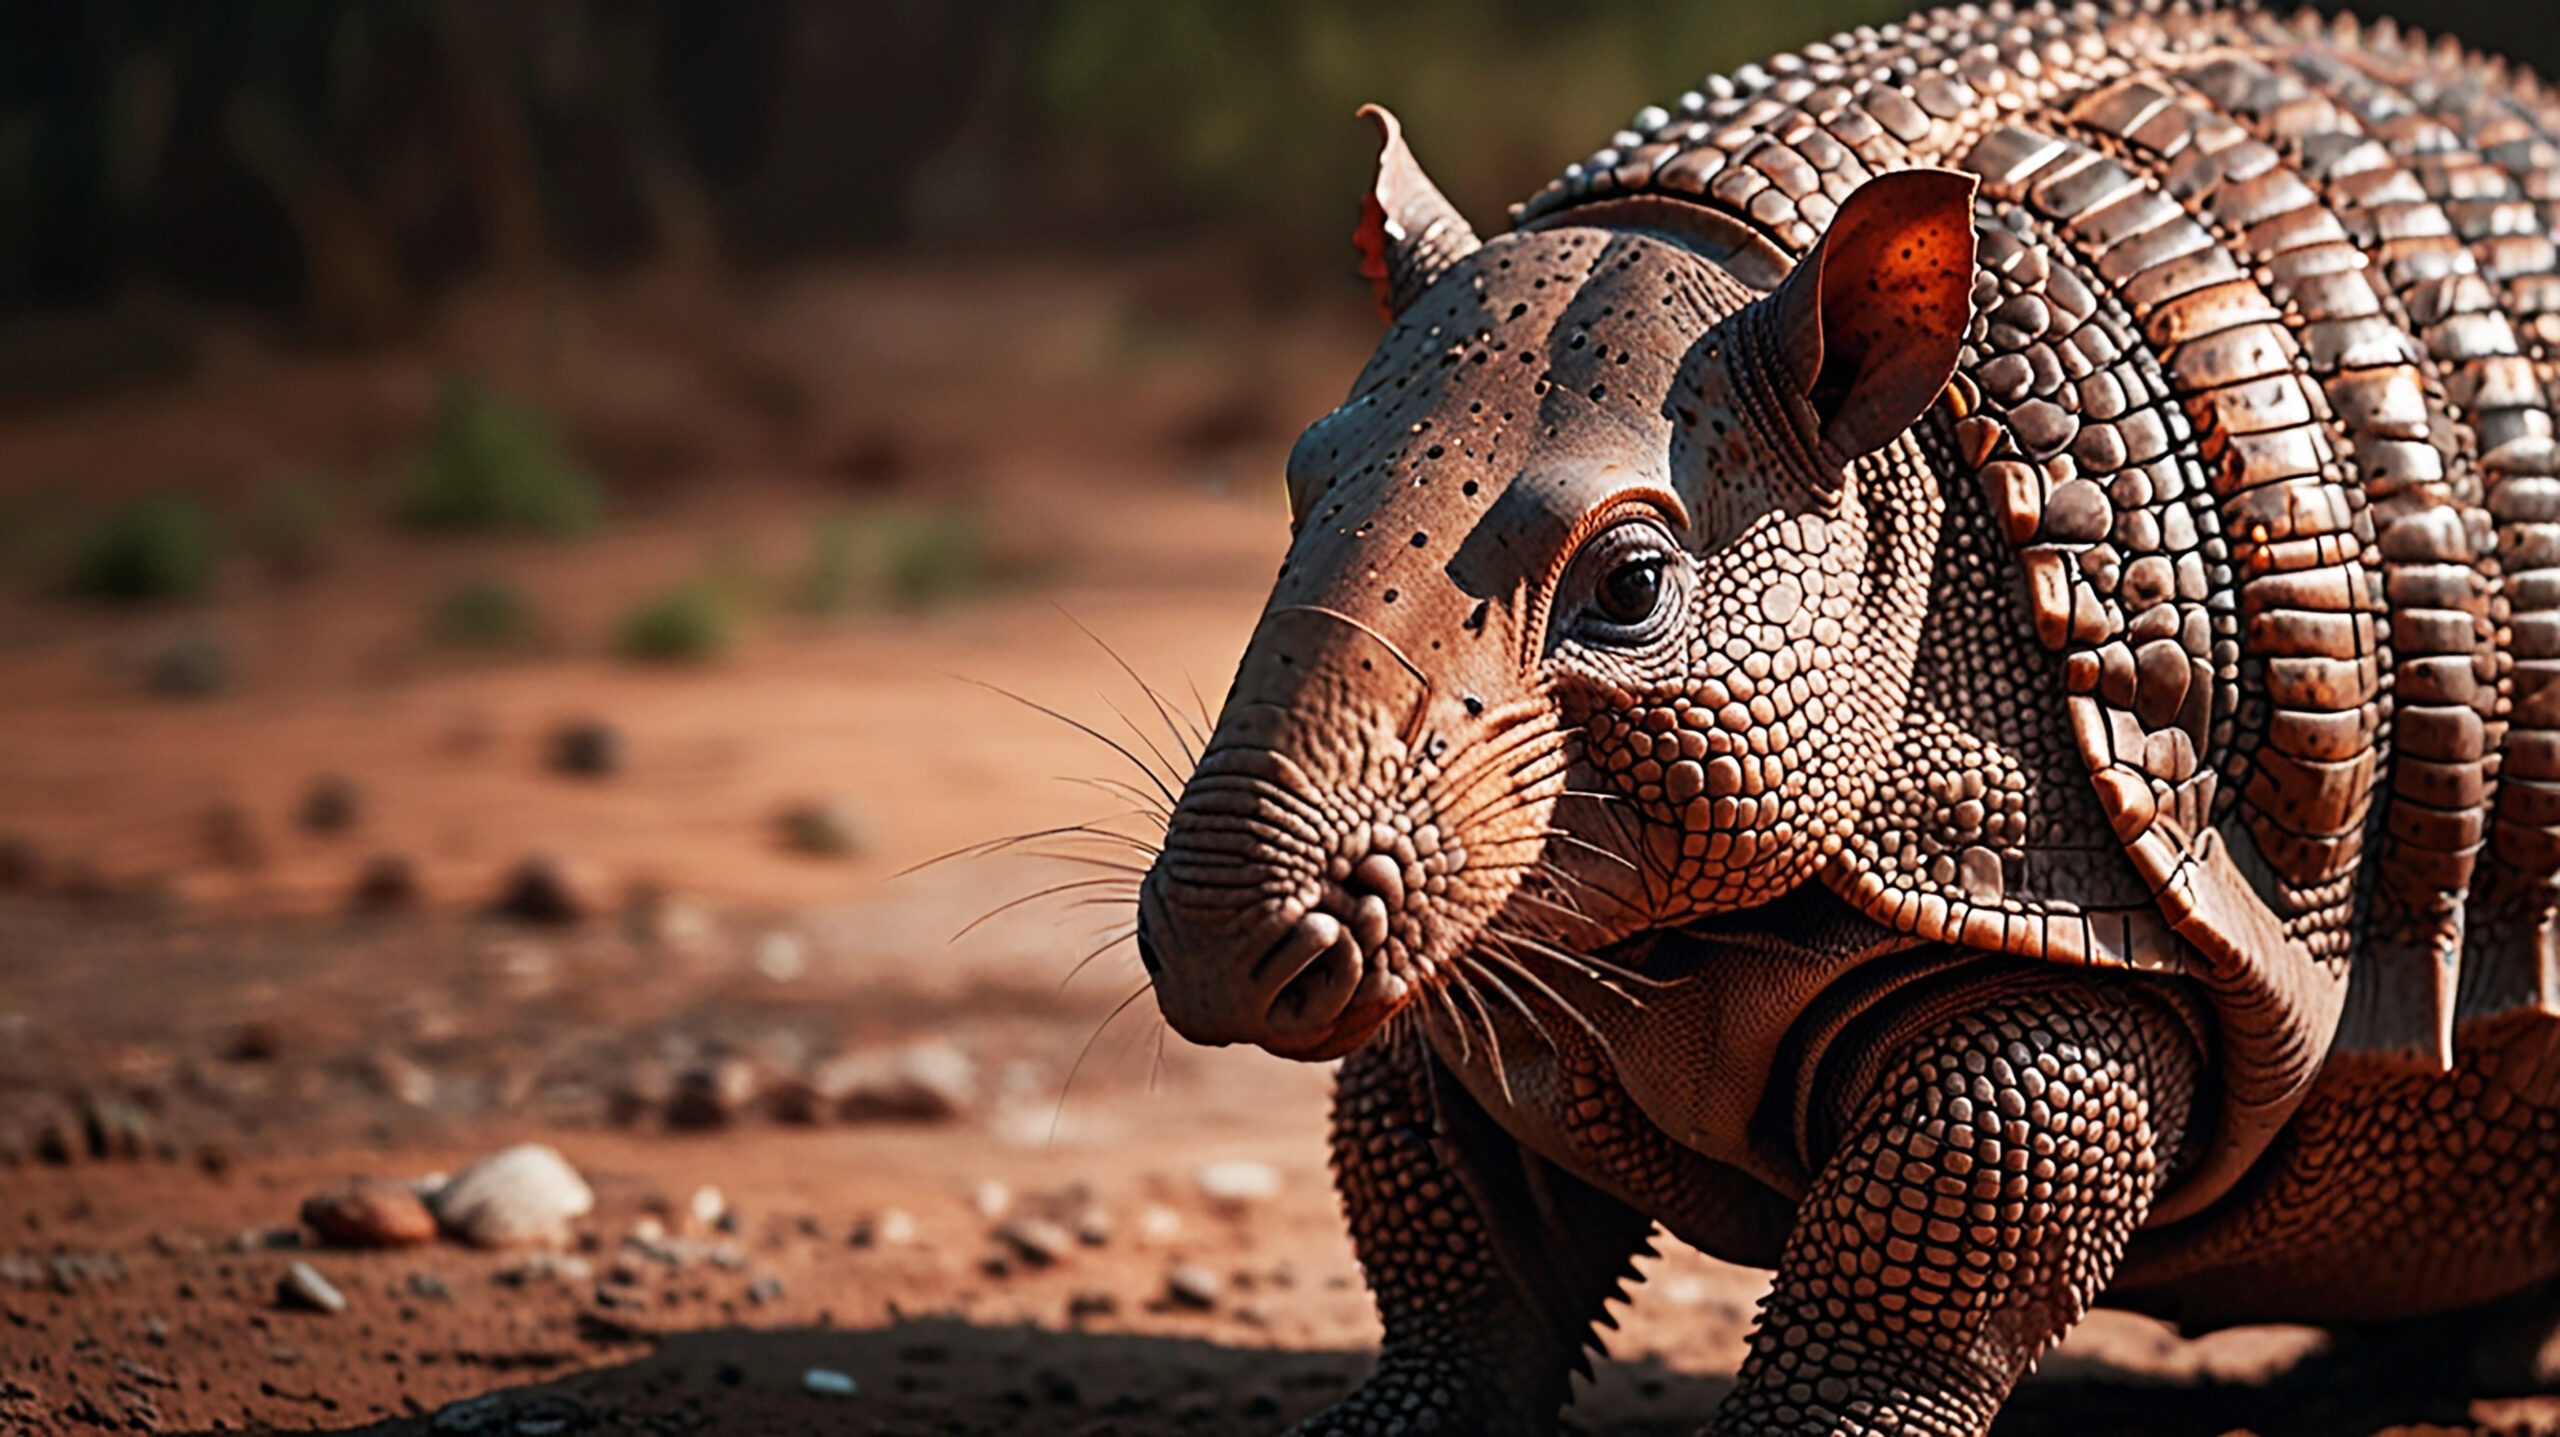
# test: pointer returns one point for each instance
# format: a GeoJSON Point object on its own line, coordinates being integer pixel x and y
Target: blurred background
{"type": "Point", "coordinates": [523, 525]}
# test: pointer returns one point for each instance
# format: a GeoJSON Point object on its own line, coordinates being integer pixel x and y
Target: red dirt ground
{"type": "Point", "coordinates": [224, 1016]}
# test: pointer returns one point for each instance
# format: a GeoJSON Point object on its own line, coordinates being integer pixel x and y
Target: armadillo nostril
{"type": "Point", "coordinates": [1323, 987]}
{"type": "Point", "coordinates": [1380, 874]}
{"type": "Point", "coordinates": [1369, 923]}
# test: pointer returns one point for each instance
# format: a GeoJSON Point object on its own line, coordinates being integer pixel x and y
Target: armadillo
{"type": "Point", "coordinates": [1941, 674]}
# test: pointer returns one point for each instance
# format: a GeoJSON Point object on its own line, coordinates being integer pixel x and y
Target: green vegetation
{"type": "Point", "coordinates": [903, 557]}
{"type": "Point", "coordinates": [163, 547]}
{"type": "Point", "coordinates": [834, 576]}
{"type": "Point", "coordinates": [495, 464]}
{"type": "Point", "coordinates": [933, 558]}
{"type": "Point", "coordinates": [490, 615]}
{"type": "Point", "coordinates": [688, 623]}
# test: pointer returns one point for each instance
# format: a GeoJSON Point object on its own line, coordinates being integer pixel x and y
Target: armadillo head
{"type": "Point", "coordinates": [1593, 620]}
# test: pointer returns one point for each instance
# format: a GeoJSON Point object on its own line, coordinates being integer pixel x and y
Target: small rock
{"type": "Point", "coordinates": [1093, 1228]}
{"type": "Point", "coordinates": [115, 1127]}
{"type": "Point", "coordinates": [429, 1286]}
{"type": "Point", "coordinates": [519, 1413]}
{"type": "Point", "coordinates": [402, 1079]}
{"type": "Point", "coordinates": [521, 1197]}
{"type": "Point", "coordinates": [925, 1082]}
{"type": "Point", "coordinates": [1158, 1224]}
{"type": "Point", "coordinates": [1091, 1303]}
{"type": "Point", "coordinates": [388, 883]}
{"type": "Point", "coordinates": [231, 837]}
{"type": "Point", "coordinates": [1188, 1284]}
{"type": "Point", "coordinates": [617, 1299]}
{"type": "Point", "coordinates": [256, 1041]}
{"type": "Point", "coordinates": [1237, 1182]}
{"type": "Point", "coordinates": [891, 1227]}
{"type": "Point", "coordinates": [827, 1382]}
{"type": "Point", "coordinates": [991, 1198]}
{"type": "Point", "coordinates": [302, 1286]}
{"type": "Point", "coordinates": [332, 804]}
{"type": "Point", "coordinates": [825, 828]}
{"type": "Point", "coordinates": [546, 888]}
{"type": "Point", "coordinates": [545, 1267]}
{"type": "Point", "coordinates": [590, 748]}
{"type": "Point", "coordinates": [765, 1291]}
{"type": "Point", "coordinates": [189, 666]}
{"type": "Point", "coordinates": [708, 1206]}
{"type": "Point", "coordinates": [711, 1095]}
{"type": "Point", "coordinates": [369, 1212]}
{"type": "Point", "coordinates": [659, 919]}
{"type": "Point", "coordinates": [781, 956]}
{"type": "Point", "coordinates": [644, 1090]}
{"type": "Point", "coordinates": [1037, 1240]}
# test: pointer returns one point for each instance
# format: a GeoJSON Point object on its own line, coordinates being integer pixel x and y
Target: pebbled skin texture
{"type": "Point", "coordinates": [1977, 1204]}
{"type": "Point", "coordinates": [2004, 561]}
{"type": "Point", "coordinates": [1489, 1266]}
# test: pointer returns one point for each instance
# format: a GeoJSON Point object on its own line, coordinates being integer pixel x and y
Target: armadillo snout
{"type": "Point", "coordinates": [1302, 982]}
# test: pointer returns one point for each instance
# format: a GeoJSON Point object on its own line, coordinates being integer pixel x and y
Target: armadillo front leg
{"type": "Point", "coordinates": [1979, 1197]}
{"type": "Point", "coordinates": [1488, 1264]}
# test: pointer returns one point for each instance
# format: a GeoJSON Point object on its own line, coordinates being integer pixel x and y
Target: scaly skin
{"type": "Point", "coordinates": [2072, 489]}
{"type": "Point", "coordinates": [1486, 1300]}
{"type": "Point", "coordinates": [1977, 1204]}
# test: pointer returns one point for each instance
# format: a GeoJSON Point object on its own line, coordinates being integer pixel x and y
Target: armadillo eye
{"type": "Point", "coordinates": [1630, 592]}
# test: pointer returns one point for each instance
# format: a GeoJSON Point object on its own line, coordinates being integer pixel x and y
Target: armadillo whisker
{"type": "Point", "coordinates": [1059, 1115]}
{"type": "Point", "coordinates": [1148, 804]}
{"type": "Point", "coordinates": [1118, 937]}
{"type": "Point", "coordinates": [1088, 730]}
{"type": "Point", "coordinates": [1492, 1040]}
{"type": "Point", "coordinates": [1190, 747]}
{"type": "Point", "coordinates": [1484, 973]}
{"type": "Point", "coordinates": [1177, 771]}
{"type": "Point", "coordinates": [1054, 889]}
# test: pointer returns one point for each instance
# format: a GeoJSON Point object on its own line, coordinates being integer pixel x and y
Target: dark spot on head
{"type": "Point", "coordinates": [1390, 596]}
{"type": "Point", "coordinates": [1468, 488]}
{"type": "Point", "coordinates": [1420, 538]}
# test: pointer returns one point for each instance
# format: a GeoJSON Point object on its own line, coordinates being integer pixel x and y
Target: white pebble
{"type": "Point", "coordinates": [991, 1199]}
{"type": "Point", "coordinates": [1238, 1181]}
{"type": "Point", "coordinates": [707, 1205]}
{"type": "Point", "coordinates": [895, 1227]}
{"type": "Point", "coordinates": [303, 1286]}
{"type": "Point", "coordinates": [781, 956]}
{"type": "Point", "coordinates": [827, 1382]}
{"type": "Point", "coordinates": [523, 1196]}
{"type": "Point", "coordinates": [1158, 1224]}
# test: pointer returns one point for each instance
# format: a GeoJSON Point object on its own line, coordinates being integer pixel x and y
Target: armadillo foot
{"type": "Point", "coordinates": [1487, 1291]}
{"type": "Point", "coordinates": [1406, 1396]}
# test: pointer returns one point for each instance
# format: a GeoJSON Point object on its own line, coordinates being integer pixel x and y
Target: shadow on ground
{"type": "Point", "coordinates": [953, 1379]}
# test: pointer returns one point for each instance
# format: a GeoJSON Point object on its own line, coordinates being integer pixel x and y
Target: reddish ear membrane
{"type": "Point", "coordinates": [1871, 322]}
{"type": "Point", "coordinates": [1409, 233]}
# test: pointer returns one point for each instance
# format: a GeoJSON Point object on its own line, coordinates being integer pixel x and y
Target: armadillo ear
{"type": "Point", "coordinates": [1409, 233]}
{"type": "Point", "coordinates": [1871, 322]}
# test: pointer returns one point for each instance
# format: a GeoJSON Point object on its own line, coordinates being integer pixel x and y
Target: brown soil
{"type": "Point", "coordinates": [237, 1039]}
